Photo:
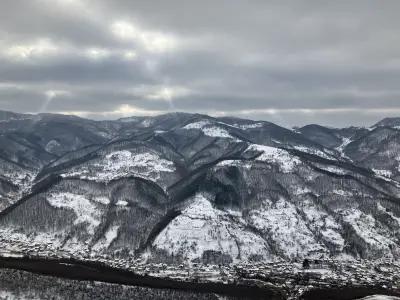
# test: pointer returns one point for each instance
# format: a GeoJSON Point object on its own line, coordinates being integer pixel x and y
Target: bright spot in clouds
{"type": "Point", "coordinates": [50, 94]}
{"type": "Point", "coordinates": [127, 110]}
{"type": "Point", "coordinates": [130, 55]}
{"type": "Point", "coordinates": [152, 41]}
{"type": "Point", "coordinates": [124, 30]}
{"type": "Point", "coordinates": [97, 53]}
{"type": "Point", "coordinates": [36, 49]}
{"type": "Point", "coordinates": [168, 93]}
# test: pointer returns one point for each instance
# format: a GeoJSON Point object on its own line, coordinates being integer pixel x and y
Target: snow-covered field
{"type": "Point", "coordinates": [212, 130]}
{"type": "Point", "coordinates": [121, 164]}
{"type": "Point", "coordinates": [284, 159]}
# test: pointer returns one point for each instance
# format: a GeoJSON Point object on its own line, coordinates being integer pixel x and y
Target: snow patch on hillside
{"type": "Point", "coordinates": [102, 200]}
{"type": "Point", "coordinates": [202, 227]}
{"type": "Point", "coordinates": [342, 193]}
{"type": "Point", "coordinates": [215, 131]}
{"type": "Point", "coordinates": [388, 212]}
{"type": "Point", "coordinates": [234, 163]}
{"type": "Point", "coordinates": [51, 145]}
{"type": "Point", "coordinates": [197, 125]}
{"type": "Point", "coordinates": [122, 203]}
{"type": "Point", "coordinates": [39, 238]}
{"type": "Point", "coordinates": [313, 151]}
{"type": "Point", "coordinates": [108, 238]}
{"type": "Point", "coordinates": [301, 190]}
{"type": "Point", "coordinates": [286, 161]}
{"type": "Point", "coordinates": [340, 149]}
{"type": "Point", "coordinates": [384, 173]}
{"type": "Point", "coordinates": [210, 130]}
{"type": "Point", "coordinates": [122, 164]}
{"type": "Point", "coordinates": [333, 169]}
{"type": "Point", "coordinates": [287, 229]}
{"type": "Point", "coordinates": [366, 228]}
{"type": "Point", "coordinates": [319, 221]}
{"type": "Point", "coordinates": [248, 126]}
{"type": "Point", "coordinates": [120, 160]}
{"type": "Point", "coordinates": [85, 211]}
{"type": "Point", "coordinates": [17, 176]}
{"type": "Point", "coordinates": [147, 122]}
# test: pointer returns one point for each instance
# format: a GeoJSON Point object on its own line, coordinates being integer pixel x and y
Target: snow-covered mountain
{"type": "Point", "coordinates": [189, 187]}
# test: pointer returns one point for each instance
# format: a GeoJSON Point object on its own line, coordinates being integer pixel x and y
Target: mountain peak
{"type": "Point", "coordinates": [390, 122]}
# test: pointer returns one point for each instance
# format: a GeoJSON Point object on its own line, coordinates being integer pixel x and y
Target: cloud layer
{"type": "Point", "coordinates": [290, 62]}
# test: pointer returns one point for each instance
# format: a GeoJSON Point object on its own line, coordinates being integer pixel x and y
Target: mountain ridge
{"type": "Point", "coordinates": [189, 187]}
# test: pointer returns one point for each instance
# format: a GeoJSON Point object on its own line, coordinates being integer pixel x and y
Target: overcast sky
{"type": "Point", "coordinates": [290, 62]}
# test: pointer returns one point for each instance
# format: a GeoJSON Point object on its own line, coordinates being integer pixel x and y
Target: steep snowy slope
{"type": "Point", "coordinates": [378, 150]}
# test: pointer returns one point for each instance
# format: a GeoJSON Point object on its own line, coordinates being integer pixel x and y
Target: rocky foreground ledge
{"type": "Point", "coordinates": [325, 279]}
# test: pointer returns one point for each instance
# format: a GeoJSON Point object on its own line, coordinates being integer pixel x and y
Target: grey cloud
{"type": "Point", "coordinates": [292, 62]}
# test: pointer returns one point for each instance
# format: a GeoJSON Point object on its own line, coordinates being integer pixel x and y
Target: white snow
{"type": "Point", "coordinates": [384, 173]}
{"type": "Point", "coordinates": [85, 211]}
{"type": "Point", "coordinates": [105, 134]}
{"type": "Point", "coordinates": [102, 200]}
{"type": "Point", "coordinates": [73, 245]}
{"type": "Point", "coordinates": [340, 149]}
{"type": "Point", "coordinates": [333, 169]}
{"type": "Point", "coordinates": [202, 227]}
{"type": "Point", "coordinates": [366, 228]}
{"type": "Point", "coordinates": [122, 203]}
{"type": "Point", "coordinates": [287, 228]}
{"type": "Point", "coordinates": [147, 122]}
{"type": "Point", "coordinates": [342, 193]}
{"type": "Point", "coordinates": [320, 221]}
{"type": "Point", "coordinates": [284, 159]}
{"type": "Point", "coordinates": [398, 160]}
{"type": "Point", "coordinates": [236, 163]}
{"type": "Point", "coordinates": [228, 162]}
{"type": "Point", "coordinates": [276, 141]}
{"type": "Point", "coordinates": [52, 145]}
{"type": "Point", "coordinates": [313, 151]}
{"type": "Point", "coordinates": [118, 160]}
{"type": "Point", "coordinates": [108, 238]}
{"type": "Point", "coordinates": [210, 130]}
{"type": "Point", "coordinates": [215, 131]}
{"type": "Point", "coordinates": [249, 126]}
{"type": "Point", "coordinates": [42, 238]}
{"type": "Point", "coordinates": [388, 212]}
{"type": "Point", "coordinates": [122, 164]}
{"type": "Point", "coordinates": [17, 176]}
{"type": "Point", "coordinates": [301, 190]}
{"type": "Point", "coordinates": [9, 295]}
{"type": "Point", "coordinates": [197, 125]}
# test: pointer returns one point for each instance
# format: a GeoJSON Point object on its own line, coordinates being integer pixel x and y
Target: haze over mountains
{"type": "Point", "coordinates": [194, 188]}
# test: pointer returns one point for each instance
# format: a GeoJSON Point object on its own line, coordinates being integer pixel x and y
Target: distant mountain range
{"type": "Point", "coordinates": [189, 187]}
